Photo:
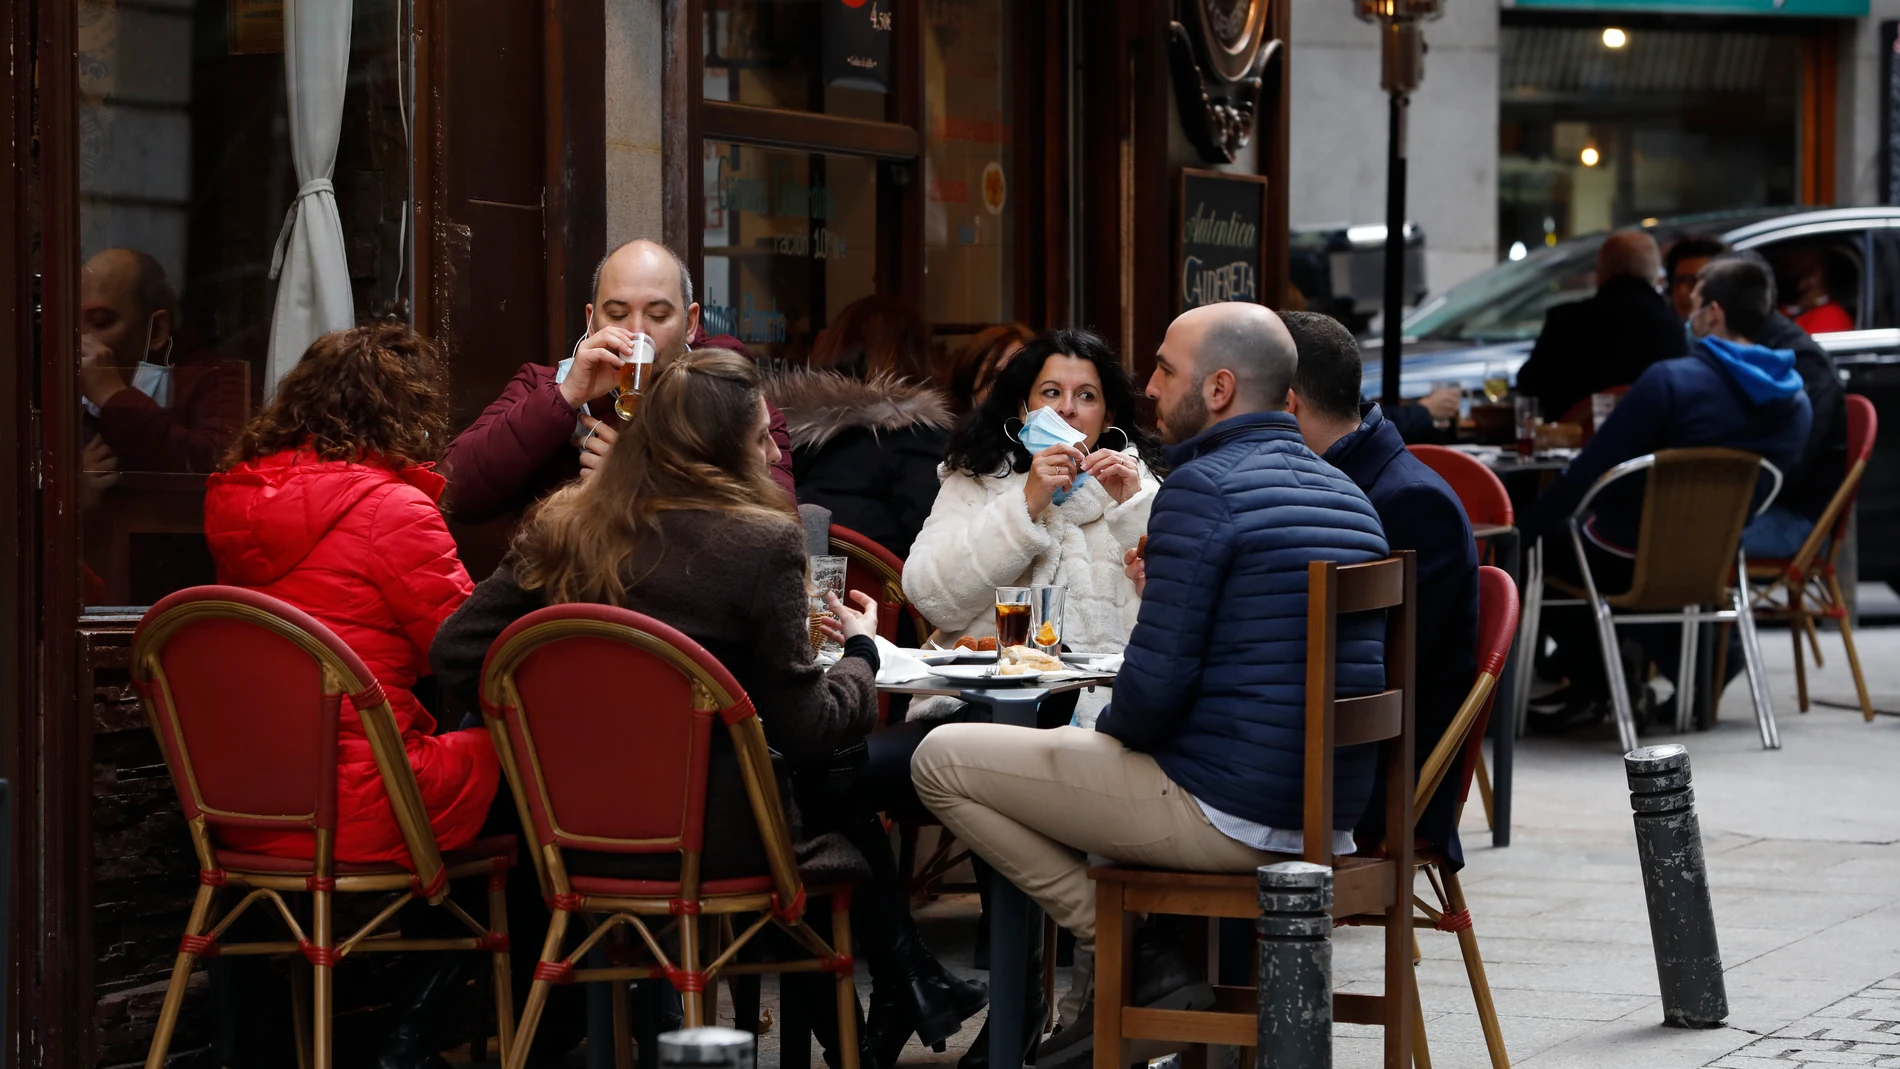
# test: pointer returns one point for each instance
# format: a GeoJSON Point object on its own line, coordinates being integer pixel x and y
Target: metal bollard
{"type": "Point", "coordinates": [709, 1048]}
{"type": "Point", "coordinates": [1295, 931]}
{"type": "Point", "coordinates": [1676, 883]}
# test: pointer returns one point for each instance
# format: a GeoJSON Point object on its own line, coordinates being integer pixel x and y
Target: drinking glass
{"type": "Point", "coordinates": [634, 375]}
{"type": "Point", "coordinates": [1601, 405]}
{"type": "Point", "coordinates": [1497, 382]}
{"type": "Point", "coordinates": [827, 577]}
{"type": "Point", "coordinates": [1013, 610]}
{"type": "Point", "coordinates": [1045, 618]}
{"type": "Point", "coordinates": [1526, 425]}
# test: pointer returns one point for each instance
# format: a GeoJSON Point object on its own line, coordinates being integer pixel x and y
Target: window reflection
{"type": "Point", "coordinates": [185, 177]}
{"type": "Point", "coordinates": [830, 56]}
{"type": "Point", "coordinates": [970, 219]}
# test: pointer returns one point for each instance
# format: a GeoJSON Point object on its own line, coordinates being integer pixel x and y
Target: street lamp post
{"type": "Point", "coordinates": [1402, 65]}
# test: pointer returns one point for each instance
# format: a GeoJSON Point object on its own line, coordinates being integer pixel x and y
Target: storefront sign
{"type": "Point", "coordinates": [1890, 112]}
{"type": "Point", "coordinates": [1221, 238]}
{"type": "Point", "coordinates": [858, 44]}
{"type": "Point", "coordinates": [1846, 9]}
{"type": "Point", "coordinates": [256, 26]}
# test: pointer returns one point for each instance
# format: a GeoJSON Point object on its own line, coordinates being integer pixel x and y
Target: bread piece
{"type": "Point", "coordinates": [987, 644]}
{"type": "Point", "coordinates": [1030, 659]}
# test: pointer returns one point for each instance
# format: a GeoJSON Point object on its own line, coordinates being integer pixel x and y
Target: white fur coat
{"type": "Point", "coordinates": [979, 536]}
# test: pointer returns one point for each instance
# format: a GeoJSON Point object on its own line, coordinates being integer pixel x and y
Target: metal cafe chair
{"type": "Point", "coordinates": [630, 779]}
{"type": "Point", "coordinates": [1688, 557]}
{"type": "Point", "coordinates": [1806, 586]}
{"type": "Point", "coordinates": [244, 693]}
{"type": "Point", "coordinates": [1363, 883]}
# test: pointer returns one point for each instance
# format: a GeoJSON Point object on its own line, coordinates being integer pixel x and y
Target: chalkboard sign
{"type": "Point", "coordinates": [858, 44]}
{"type": "Point", "coordinates": [1220, 238]}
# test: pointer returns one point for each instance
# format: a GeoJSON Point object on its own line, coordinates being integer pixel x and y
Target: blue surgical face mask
{"type": "Point", "coordinates": [1042, 429]}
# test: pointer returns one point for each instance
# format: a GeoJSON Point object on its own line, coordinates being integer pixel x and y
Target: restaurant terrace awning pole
{"type": "Point", "coordinates": [1402, 65]}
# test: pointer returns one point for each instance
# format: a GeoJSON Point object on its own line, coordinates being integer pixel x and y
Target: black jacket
{"type": "Point", "coordinates": [1812, 483]}
{"type": "Point", "coordinates": [866, 450]}
{"type": "Point", "coordinates": [1603, 341]}
{"type": "Point", "coordinates": [1422, 513]}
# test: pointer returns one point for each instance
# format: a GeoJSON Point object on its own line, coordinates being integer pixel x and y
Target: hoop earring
{"type": "Point", "coordinates": [1017, 437]}
{"type": "Point", "coordinates": [1126, 441]}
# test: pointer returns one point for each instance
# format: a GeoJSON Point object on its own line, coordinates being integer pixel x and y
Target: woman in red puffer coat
{"type": "Point", "coordinates": [327, 503]}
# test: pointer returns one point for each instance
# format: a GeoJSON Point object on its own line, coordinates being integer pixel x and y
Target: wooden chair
{"type": "Point", "coordinates": [244, 693]}
{"type": "Point", "coordinates": [1363, 884]}
{"type": "Point", "coordinates": [1488, 506]}
{"type": "Point", "coordinates": [630, 778]}
{"type": "Point", "coordinates": [1688, 557]}
{"type": "Point", "coordinates": [1460, 752]}
{"type": "Point", "coordinates": [1808, 586]}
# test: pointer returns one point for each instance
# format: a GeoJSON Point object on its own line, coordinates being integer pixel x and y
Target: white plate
{"type": "Point", "coordinates": [1085, 660]}
{"type": "Point", "coordinates": [950, 656]}
{"type": "Point", "coordinates": [985, 673]}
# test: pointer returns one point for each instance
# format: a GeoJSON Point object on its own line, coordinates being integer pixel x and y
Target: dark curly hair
{"type": "Point", "coordinates": [980, 446]}
{"type": "Point", "coordinates": [376, 393]}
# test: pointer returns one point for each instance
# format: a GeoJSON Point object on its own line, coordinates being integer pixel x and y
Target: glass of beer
{"type": "Point", "coordinates": [1013, 610]}
{"type": "Point", "coordinates": [827, 577]}
{"type": "Point", "coordinates": [634, 376]}
{"type": "Point", "coordinates": [1497, 382]}
{"type": "Point", "coordinates": [1045, 619]}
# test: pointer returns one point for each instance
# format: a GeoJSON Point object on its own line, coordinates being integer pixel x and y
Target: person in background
{"type": "Point", "coordinates": [183, 405]}
{"type": "Point", "coordinates": [1198, 761]}
{"type": "Point", "coordinates": [1729, 391]}
{"type": "Point", "coordinates": [1687, 256]}
{"type": "Point", "coordinates": [1810, 485]}
{"type": "Point", "coordinates": [867, 430]}
{"type": "Point", "coordinates": [1608, 339]}
{"type": "Point", "coordinates": [683, 523]}
{"type": "Point", "coordinates": [1812, 305]}
{"type": "Point", "coordinates": [980, 359]}
{"type": "Point", "coordinates": [1429, 419]}
{"type": "Point", "coordinates": [552, 424]}
{"type": "Point", "coordinates": [328, 502]}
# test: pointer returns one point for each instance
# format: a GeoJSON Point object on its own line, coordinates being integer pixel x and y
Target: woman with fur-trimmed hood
{"type": "Point", "coordinates": [867, 428]}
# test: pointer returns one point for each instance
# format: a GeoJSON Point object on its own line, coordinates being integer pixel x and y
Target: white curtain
{"type": "Point", "coordinates": [313, 277]}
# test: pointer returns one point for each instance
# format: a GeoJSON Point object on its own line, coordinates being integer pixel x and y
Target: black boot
{"type": "Point", "coordinates": [423, 1029]}
{"type": "Point", "coordinates": [1035, 1012]}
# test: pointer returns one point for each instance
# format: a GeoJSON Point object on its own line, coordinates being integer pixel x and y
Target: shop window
{"type": "Point", "coordinates": [1818, 279]}
{"type": "Point", "coordinates": [1668, 122]}
{"type": "Point", "coordinates": [969, 216]}
{"type": "Point", "coordinates": [828, 56]}
{"type": "Point", "coordinates": [185, 178]}
{"type": "Point", "coordinates": [791, 238]}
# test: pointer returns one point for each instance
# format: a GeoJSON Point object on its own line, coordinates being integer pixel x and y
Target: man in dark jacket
{"type": "Point", "coordinates": [1606, 340]}
{"type": "Point", "coordinates": [1420, 512]}
{"type": "Point", "coordinates": [551, 424]}
{"type": "Point", "coordinates": [1729, 392]}
{"type": "Point", "coordinates": [1198, 763]}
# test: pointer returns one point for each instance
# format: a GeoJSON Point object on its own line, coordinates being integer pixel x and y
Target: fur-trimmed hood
{"type": "Point", "coordinates": [820, 405]}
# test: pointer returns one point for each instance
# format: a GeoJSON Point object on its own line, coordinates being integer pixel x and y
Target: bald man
{"type": "Point", "coordinates": [1607, 340]}
{"type": "Point", "coordinates": [551, 424]}
{"type": "Point", "coordinates": [1197, 763]}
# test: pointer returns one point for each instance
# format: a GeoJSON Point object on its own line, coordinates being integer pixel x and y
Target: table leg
{"type": "Point", "coordinates": [1504, 716]}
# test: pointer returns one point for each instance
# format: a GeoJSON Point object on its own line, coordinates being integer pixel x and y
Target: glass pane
{"type": "Point", "coordinates": [1818, 279]}
{"type": "Point", "coordinates": [1662, 123]}
{"type": "Point", "coordinates": [830, 56]}
{"type": "Point", "coordinates": [790, 239]}
{"type": "Point", "coordinates": [969, 224]}
{"type": "Point", "coordinates": [185, 178]}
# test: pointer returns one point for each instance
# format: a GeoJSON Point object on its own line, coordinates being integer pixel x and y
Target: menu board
{"type": "Point", "coordinates": [857, 36]}
{"type": "Point", "coordinates": [1220, 238]}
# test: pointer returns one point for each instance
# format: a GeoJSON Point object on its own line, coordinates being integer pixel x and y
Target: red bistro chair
{"type": "Point", "coordinates": [244, 693]}
{"type": "Point", "coordinates": [1807, 586]}
{"type": "Point", "coordinates": [876, 571]}
{"type": "Point", "coordinates": [631, 779]}
{"type": "Point", "coordinates": [1460, 752]}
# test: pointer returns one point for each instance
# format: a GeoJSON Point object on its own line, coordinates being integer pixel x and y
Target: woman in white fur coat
{"type": "Point", "coordinates": [997, 520]}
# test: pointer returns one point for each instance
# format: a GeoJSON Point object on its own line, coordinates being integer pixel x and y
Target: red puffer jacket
{"type": "Point", "coordinates": [363, 549]}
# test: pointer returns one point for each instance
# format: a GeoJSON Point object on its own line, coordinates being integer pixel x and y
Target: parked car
{"type": "Point", "coordinates": [1490, 322]}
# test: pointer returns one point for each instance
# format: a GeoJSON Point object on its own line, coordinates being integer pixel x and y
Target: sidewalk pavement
{"type": "Point", "coordinates": [1803, 848]}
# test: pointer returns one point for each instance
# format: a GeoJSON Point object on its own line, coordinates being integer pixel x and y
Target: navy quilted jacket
{"type": "Point", "coordinates": [1213, 685]}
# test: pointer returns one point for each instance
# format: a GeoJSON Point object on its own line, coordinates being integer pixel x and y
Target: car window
{"type": "Point", "coordinates": [1818, 279]}
{"type": "Point", "coordinates": [1507, 303]}
{"type": "Point", "coordinates": [1885, 291]}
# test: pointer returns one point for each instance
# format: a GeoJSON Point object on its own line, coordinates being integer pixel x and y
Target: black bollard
{"type": "Point", "coordinates": [1676, 883]}
{"type": "Point", "coordinates": [709, 1048]}
{"type": "Point", "coordinates": [1295, 931]}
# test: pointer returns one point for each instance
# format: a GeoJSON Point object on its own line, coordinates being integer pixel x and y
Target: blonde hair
{"type": "Point", "coordinates": [689, 446]}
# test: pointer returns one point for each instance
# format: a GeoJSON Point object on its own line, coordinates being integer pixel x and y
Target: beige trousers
{"type": "Point", "coordinates": [1035, 804]}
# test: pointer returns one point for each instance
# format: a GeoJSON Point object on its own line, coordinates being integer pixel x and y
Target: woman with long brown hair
{"type": "Point", "coordinates": [328, 501]}
{"type": "Point", "coordinates": [683, 523]}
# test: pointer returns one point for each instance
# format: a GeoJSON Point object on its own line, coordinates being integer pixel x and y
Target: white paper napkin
{"type": "Point", "coordinates": [895, 666]}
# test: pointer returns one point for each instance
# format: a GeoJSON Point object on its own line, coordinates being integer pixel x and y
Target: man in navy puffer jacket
{"type": "Point", "coordinates": [1727, 392]}
{"type": "Point", "coordinates": [1197, 763]}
